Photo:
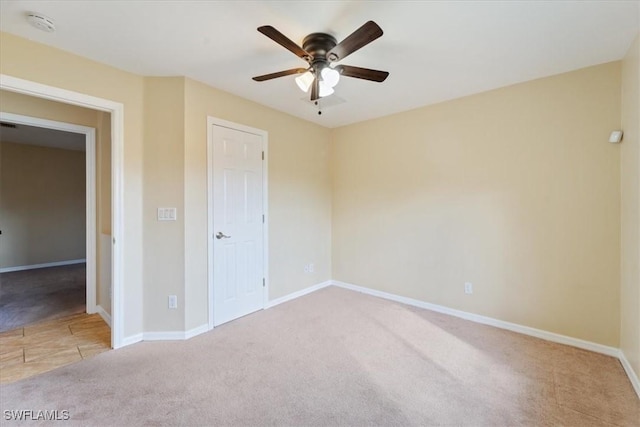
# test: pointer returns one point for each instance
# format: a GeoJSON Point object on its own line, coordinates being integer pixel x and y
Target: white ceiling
{"type": "Point", "coordinates": [43, 137]}
{"type": "Point", "coordinates": [434, 51]}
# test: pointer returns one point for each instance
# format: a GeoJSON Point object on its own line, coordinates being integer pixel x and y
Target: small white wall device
{"type": "Point", "coordinates": [41, 22]}
{"type": "Point", "coordinates": [615, 137]}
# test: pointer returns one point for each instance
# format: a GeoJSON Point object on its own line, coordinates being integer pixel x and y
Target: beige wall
{"type": "Point", "coordinates": [103, 171]}
{"type": "Point", "coordinates": [39, 63]}
{"type": "Point", "coordinates": [164, 187]}
{"type": "Point", "coordinates": [16, 103]}
{"type": "Point", "coordinates": [299, 194]}
{"type": "Point", "coordinates": [42, 204]}
{"type": "Point", "coordinates": [175, 165]}
{"type": "Point", "coordinates": [630, 190]}
{"type": "Point", "coordinates": [515, 190]}
{"type": "Point", "coordinates": [103, 211]}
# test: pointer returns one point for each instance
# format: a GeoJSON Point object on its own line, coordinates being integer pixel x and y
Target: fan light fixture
{"type": "Point", "coordinates": [329, 79]}
{"type": "Point", "coordinates": [304, 81]}
{"type": "Point", "coordinates": [330, 76]}
{"type": "Point", "coordinates": [321, 52]}
{"type": "Point", "coordinates": [325, 89]}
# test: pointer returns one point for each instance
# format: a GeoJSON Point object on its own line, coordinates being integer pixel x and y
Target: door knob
{"type": "Point", "coordinates": [221, 235]}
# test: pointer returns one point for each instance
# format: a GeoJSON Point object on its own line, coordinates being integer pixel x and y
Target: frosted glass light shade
{"type": "Point", "coordinates": [304, 81]}
{"type": "Point", "coordinates": [325, 89]}
{"type": "Point", "coordinates": [330, 76]}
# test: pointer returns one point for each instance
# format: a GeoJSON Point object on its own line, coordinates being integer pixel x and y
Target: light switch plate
{"type": "Point", "coordinates": [167, 214]}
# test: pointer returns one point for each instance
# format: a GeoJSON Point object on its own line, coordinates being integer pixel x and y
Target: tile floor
{"type": "Point", "coordinates": [44, 346]}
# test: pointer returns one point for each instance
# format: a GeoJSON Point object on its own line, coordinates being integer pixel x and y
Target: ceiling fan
{"type": "Point", "coordinates": [321, 50]}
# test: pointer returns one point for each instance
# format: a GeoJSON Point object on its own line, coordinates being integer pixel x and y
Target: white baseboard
{"type": "Point", "coordinates": [633, 376]}
{"type": "Point", "coordinates": [297, 294]}
{"type": "Point", "coordinates": [132, 339]}
{"type": "Point", "coordinates": [45, 265]}
{"type": "Point", "coordinates": [185, 335]}
{"type": "Point", "coordinates": [175, 335]}
{"type": "Point", "coordinates": [196, 331]}
{"type": "Point", "coordinates": [526, 330]}
{"type": "Point", "coordinates": [514, 327]}
{"type": "Point", "coordinates": [163, 336]}
{"type": "Point", "coordinates": [105, 316]}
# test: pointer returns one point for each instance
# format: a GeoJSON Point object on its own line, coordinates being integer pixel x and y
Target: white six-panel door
{"type": "Point", "coordinates": [238, 263]}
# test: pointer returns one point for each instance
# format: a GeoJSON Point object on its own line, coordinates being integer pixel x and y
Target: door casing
{"type": "Point", "coordinates": [116, 109]}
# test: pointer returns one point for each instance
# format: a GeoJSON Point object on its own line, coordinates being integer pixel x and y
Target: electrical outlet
{"type": "Point", "coordinates": [311, 268]}
{"type": "Point", "coordinates": [468, 288]}
{"type": "Point", "coordinates": [173, 301]}
{"type": "Point", "coordinates": [306, 268]}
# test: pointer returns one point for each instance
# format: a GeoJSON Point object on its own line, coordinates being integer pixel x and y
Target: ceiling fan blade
{"type": "Point", "coordinates": [362, 73]}
{"type": "Point", "coordinates": [359, 38]}
{"type": "Point", "coordinates": [315, 89]}
{"type": "Point", "coordinates": [279, 74]}
{"type": "Point", "coordinates": [283, 41]}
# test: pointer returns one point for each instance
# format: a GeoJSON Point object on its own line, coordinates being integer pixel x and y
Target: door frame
{"type": "Point", "coordinates": [116, 109]}
{"type": "Point", "coordinates": [90, 191]}
{"type": "Point", "coordinates": [211, 121]}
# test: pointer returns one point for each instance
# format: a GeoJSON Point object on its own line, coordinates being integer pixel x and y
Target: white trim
{"type": "Point", "coordinates": [209, 223]}
{"type": "Point", "coordinates": [163, 336]}
{"type": "Point", "coordinates": [196, 331]}
{"type": "Point", "coordinates": [175, 335]}
{"type": "Point", "coordinates": [298, 294]}
{"type": "Point", "coordinates": [45, 265]}
{"type": "Point", "coordinates": [633, 377]}
{"type": "Point", "coordinates": [14, 84]}
{"type": "Point", "coordinates": [132, 339]}
{"type": "Point", "coordinates": [265, 205]}
{"type": "Point", "coordinates": [185, 335]}
{"type": "Point", "coordinates": [103, 313]}
{"type": "Point", "coordinates": [526, 330]}
{"type": "Point", "coordinates": [91, 222]}
{"type": "Point", "coordinates": [265, 212]}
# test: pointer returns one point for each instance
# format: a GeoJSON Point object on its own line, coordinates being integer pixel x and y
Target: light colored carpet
{"type": "Point", "coordinates": [337, 357]}
{"type": "Point", "coordinates": [31, 296]}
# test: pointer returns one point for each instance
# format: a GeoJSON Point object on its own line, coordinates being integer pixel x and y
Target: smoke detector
{"type": "Point", "coordinates": [41, 22]}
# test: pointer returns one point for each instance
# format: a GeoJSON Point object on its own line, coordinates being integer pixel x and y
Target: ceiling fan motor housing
{"type": "Point", "coordinates": [318, 44]}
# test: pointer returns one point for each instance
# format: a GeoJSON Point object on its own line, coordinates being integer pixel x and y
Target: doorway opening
{"type": "Point", "coordinates": [116, 111]}
{"type": "Point", "coordinates": [48, 204]}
